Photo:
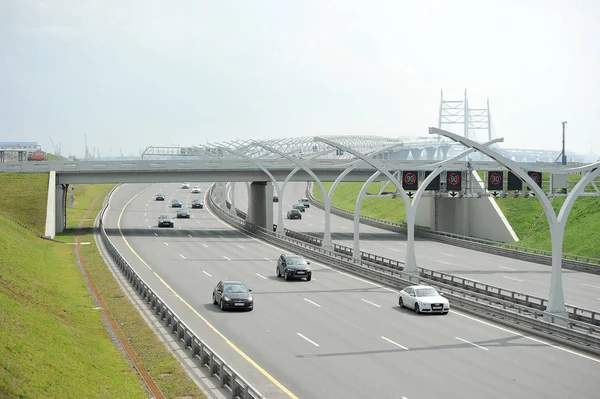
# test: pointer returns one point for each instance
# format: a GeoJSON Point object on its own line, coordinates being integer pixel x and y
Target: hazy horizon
{"type": "Point", "coordinates": [132, 74]}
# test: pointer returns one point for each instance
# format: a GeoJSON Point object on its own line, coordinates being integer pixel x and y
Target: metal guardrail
{"type": "Point", "coordinates": [219, 369]}
{"type": "Point", "coordinates": [575, 333]}
{"type": "Point", "coordinates": [571, 262]}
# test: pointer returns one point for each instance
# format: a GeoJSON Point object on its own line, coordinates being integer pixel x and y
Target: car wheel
{"type": "Point", "coordinates": [400, 302]}
{"type": "Point", "coordinates": [214, 299]}
{"type": "Point", "coordinates": [309, 278]}
{"type": "Point", "coordinates": [286, 276]}
{"type": "Point", "coordinates": [277, 271]}
{"type": "Point", "coordinates": [222, 305]}
{"type": "Point", "coordinates": [417, 310]}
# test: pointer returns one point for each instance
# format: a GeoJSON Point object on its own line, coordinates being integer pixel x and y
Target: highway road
{"type": "Point", "coordinates": [580, 289]}
{"type": "Point", "coordinates": [336, 336]}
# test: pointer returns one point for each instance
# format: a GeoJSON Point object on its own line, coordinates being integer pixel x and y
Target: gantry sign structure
{"type": "Point", "coordinates": [504, 177]}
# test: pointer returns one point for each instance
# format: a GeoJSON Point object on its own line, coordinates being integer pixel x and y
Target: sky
{"type": "Point", "coordinates": [129, 74]}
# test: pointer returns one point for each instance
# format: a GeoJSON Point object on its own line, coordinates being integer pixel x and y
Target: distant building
{"type": "Point", "coordinates": [29, 146]}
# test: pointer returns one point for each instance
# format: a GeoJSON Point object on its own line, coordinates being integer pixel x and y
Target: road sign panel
{"type": "Point", "coordinates": [435, 183]}
{"type": "Point", "coordinates": [495, 180]}
{"type": "Point", "coordinates": [410, 181]}
{"type": "Point", "coordinates": [536, 177]}
{"type": "Point", "coordinates": [514, 182]}
{"type": "Point", "coordinates": [454, 180]}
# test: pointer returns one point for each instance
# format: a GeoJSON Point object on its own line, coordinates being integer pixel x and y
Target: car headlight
{"type": "Point", "coordinates": [227, 299]}
{"type": "Point", "coordinates": [250, 299]}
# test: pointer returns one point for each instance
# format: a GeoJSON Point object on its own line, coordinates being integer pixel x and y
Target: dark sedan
{"type": "Point", "coordinates": [160, 197]}
{"type": "Point", "coordinates": [292, 266]}
{"type": "Point", "coordinates": [176, 203]}
{"type": "Point", "coordinates": [294, 214]}
{"type": "Point", "coordinates": [197, 204]}
{"type": "Point", "coordinates": [165, 221]}
{"type": "Point", "coordinates": [183, 213]}
{"type": "Point", "coordinates": [232, 295]}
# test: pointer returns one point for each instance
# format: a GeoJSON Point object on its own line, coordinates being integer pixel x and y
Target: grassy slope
{"type": "Point", "coordinates": [581, 234]}
{"type": "Point", "coordinates": [23, 198]}
{"type": "Point", "coordinates": [54, 343]}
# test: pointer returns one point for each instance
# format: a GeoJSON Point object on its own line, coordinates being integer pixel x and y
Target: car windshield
{"type": "Point", "coordinates": [164, 217]}
{"type": "Point", "coordinates": [236, 289]}
{"type": "Point", "coordinates": [424, 292]}
{"type": "Point", "coordinates": [296, 261]}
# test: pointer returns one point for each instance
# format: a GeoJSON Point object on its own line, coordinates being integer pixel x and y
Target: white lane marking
{"type": "Point", "coordinates": [146, 220]}
{"type": "Point", "coordinates": [394, 249]}
{"type": "Point", "coordinates": [394, 343]}
{"type": "Point", "coordinates": [344, 227]}
{"type": "Point", "coordinates": [226, 257]}
{"type": "Point", "coordinates": [309, 340]}
{"type": "Point", "coordinates": [261, 276]}
{"type": "Point", "coordinates": [442, 262]}
{"type": "Point", "coordinates": [240, 246]}
{"type": "Point", "coordinates": [189, 235]}
{"type": "Point", "coordinates": [156, 234]}
{"type": "Point", "coordinates": [443, 253]}
{"type": "Point", "coordinates": [180, 228]}
{"type": "Point", "coordinates": [220, 236]}
{"type": "Point", "coordinates": [198, 221]}
{"type": "Point", "coordinates": [206, 273]}
{"type": "Point", "coordinates": [310, 224]}
{"type": "Point", "coordinates": [145, 214]}
{"type": "Point", "coordinates": [205, 246]}
{"type": "Point", "coordinates": [268, 259]}
{"type": "Point", "coordinates": [506, 267]}
{"type": "Point", "coordinates": [539, 341]}
{"type": "Point", "coordinates": [466, 278]}
{"type": "Point", "coordinates": [167, 244]}
{"type": "Point", "coordinates": [471, 343]}
{"type": "Point", "coordinates": [149, 226]}
{"type": "Point", "coordinates": [314, 303]}
{"type": "Point", "coordinates": [183, 257]}
{"type": "Point", "coordinates": [590, 285]}
{"type": "Point", "coordinates": [515, 279]}
{"type": "Point", "coordinates": [374, 304]}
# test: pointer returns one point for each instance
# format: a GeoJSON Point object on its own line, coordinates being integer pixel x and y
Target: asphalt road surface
{"type": "Point", "coordinates": [580, 289]}
{"type": "Point", "coordinates": [336, 336]}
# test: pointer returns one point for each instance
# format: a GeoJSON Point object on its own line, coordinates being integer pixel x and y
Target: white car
{"type": "Point", "coordinates": [196, 190]}
{"type": "Point", "coordinates": [185, 185]}
{"type": "Point", "coordinates": [423, 299]}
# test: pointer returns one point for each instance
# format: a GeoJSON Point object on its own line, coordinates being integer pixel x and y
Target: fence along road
{"type": "Point", "coordinates": [581, 289]}
{"type": "Point", "coordinates": [335, 336]}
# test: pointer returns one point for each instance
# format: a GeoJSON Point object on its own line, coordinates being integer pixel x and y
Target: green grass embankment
{"type": "Point", "coordinates": [54, 342]}
{"type": "Point", "coordinates": [23, 198]}
{"type": "Point", "coordinates": [582, 231]}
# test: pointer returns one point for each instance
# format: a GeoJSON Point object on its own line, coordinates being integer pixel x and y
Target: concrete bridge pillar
{"type": "Point", "coordinates": [60, 208]}
{"type": "Point", "coordinates": [416, 153]}
{"type": "Point", "coordinates": [430, 151]}
{"type": "Point", "coordinates": [260, 204]}
{"type": "Point", "coordinates": [444, 151]}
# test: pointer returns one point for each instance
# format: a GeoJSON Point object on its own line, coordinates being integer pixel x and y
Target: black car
{"type": "Point", "coordinates": [176, 203]}
{"type": "Point", "coordinates": [197, 204]}
{"type": "Point", "coordinates": [275, 198]}
{"type": "Point", "coordinates": [165, 221]}
{"type": "Point", "coordinates": [183, 213]}
{"type": "Point", "coordinates": [160, 197]}
{"type": "Point", "coordinates": [232, 295]}
{"type": "Point", "coordinates": [292, 266]}
{"type": "Point", "coordinates": [294, 214]}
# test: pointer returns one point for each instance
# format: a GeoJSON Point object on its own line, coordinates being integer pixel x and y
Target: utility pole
{"type": "Point", "coordinates": [564, 154]}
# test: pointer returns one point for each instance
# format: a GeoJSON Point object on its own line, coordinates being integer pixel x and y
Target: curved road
{"type": "Point", "coordinates": [580, 289]}
{"type": "Point", "coordinates": [336, 336]}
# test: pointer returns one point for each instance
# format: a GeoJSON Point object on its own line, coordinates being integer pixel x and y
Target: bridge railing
{"type": "Point", "coordinates": [571, 262]}
{"type": "Point", "coordinates": [576, 333]}
{"type": "Point", "coordinates": [225, 374]}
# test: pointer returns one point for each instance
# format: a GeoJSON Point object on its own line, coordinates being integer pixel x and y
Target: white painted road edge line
{"type": "Point", "coordinates": [314, 303]}
{"type": "Point", "coordinates": [444, 263]}
{"type": "Point", "coordinates": [309, 340]}
{"type": "Point", "coordinates": [515, 279]}
{"type": "Point", "coordinates": [226, 257]}
{"type": "Point", "coordinates": [189, 235]}
{"type": "Point", "coordinates": [471, 343]}
{"type": "Point", "coordinates": [507, 268]}
{"type": "Point", "coordinates": [590, 285]}
{"type": "Point", "coordinates": [206, 273]}
{"type": "Point", "coordinates": [394, 249]}
{"type": "Point", "coordinates": [183, 257]}
{"type": "Point", "coordinates": [167, 244]}
{"type": "Point", "coordinates": [371, 303]}
{"type": "Point", "coordinates": [240, 246]}
{"type": "Point", "coordinates": [260, 275]}
{"type": "Point", "coordinates": [267, 259]}
{"type": "Point", "coordinates": [394, 343]}
{"type": "Point", "coordinates": [443, 253]}
{"type": "Point", "coordinates": [156, 234]}
{"type": "Point", "coordinates": [205, 246]}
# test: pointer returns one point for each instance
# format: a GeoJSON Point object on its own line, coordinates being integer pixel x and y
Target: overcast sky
{"type": "Point", "coordinates": [132, 74]}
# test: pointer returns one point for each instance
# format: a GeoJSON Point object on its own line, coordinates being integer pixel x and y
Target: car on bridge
{"type": "Point", "coordinates": [176, 203]}
{"type": "Point", "coordinates": [232, 295]}
{"type": "Point", "coordinates": [294, 214]}
{"type": "Point", "coordinates": [299, 206]}
{"type": "Point", "coordinates": [196, 190]}
{"type": "Point", "coordinates": [183, 213]}
{"type": "Point", "coordinates": [185, 185]}
{"type": "Point", "coordinates": [160, 197]}
{"type": "Point", "coordinates": [423, 299]}
{"type": "Point", "coordinates": [305, 202]}
{"type": "Point", "coordinates": [292, 266]}
{"type": "Point", "coordinates": [197, 203]}
{"type": "Point", "coordinates": [165, 221]}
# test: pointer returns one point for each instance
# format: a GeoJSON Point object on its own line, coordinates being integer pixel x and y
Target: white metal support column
{"type": "Point", "coordinates": [556, 300]}
{"type": "Point", "coordinates": [232, 198]}
{"type": "Point", "coordinates": [362, 193]}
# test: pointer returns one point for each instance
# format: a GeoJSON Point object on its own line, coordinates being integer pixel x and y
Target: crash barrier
{"type": "Point", "coordinates": [576, 333]}
{"type": "Point", "coordinates": [573, 312]}
{"type": "Point", "coordinates": [571, 262]}
{"type": "Point", "coordinates": [226, 376]}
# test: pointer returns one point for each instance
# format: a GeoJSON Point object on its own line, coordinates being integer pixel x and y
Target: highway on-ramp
{"type": "Point", "coordinates": [336, 336]}
{"type": "Point", "coordinates": [580, 289]}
